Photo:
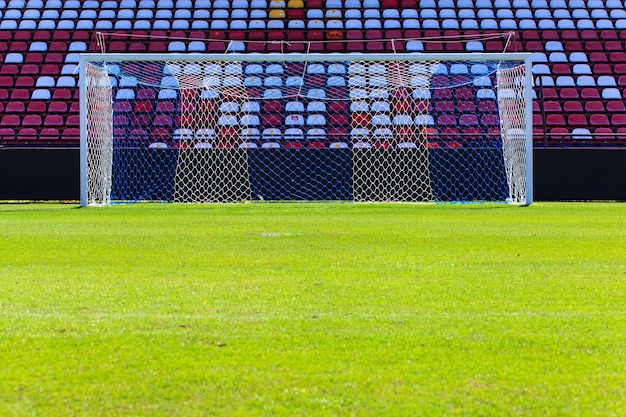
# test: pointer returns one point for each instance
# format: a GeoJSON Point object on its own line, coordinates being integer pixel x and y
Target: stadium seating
{"type": "Point", "coordinates": [579, 53]}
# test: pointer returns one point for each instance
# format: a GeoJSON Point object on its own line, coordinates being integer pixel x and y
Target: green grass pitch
{"type": "Point", "coordinates": [313, 310]}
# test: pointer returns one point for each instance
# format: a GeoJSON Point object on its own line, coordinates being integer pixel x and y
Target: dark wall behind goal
{"type": "Point", "coordinates": [39, 174]}
{"type": "Point", "coordinates": [560, 174]}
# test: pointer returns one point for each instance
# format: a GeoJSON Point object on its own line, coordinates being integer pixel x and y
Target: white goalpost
{"type": "Point", "coordinates": [312, 127]}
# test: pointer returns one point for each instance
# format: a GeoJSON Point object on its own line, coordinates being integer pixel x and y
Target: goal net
{"type": "Point", "coordinates": [360, 127]}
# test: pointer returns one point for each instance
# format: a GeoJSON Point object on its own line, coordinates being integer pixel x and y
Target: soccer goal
{"type": "Point", "coordinates": [309, 127]}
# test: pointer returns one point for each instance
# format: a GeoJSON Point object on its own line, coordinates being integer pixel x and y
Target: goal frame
{"type": "Point", "coordinates": [299, 57]}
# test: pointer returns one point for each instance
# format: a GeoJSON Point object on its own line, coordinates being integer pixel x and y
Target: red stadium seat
{"type": "Point", "coordinates": [618, 120]}
{"type": "Point", "coordinates": [355, 46]}
{"type": "Point", "coordinates": [53, 120]}
{"type": "Point", "coordinates": [617, 57]}
{"type": "Point", "coordinates": [10, 120]}
{"type": "Point", "coordinates": [337, 107]}
{"type": "Point", "coordinates": [559, 134]}
{"type": "Point", "coordinates": [59, 35]}
{"type": "Point", "coordinates": [598, 120]}
{"type": "Point", "coordinates": [62, 94]}
{"type": "Point", "coordinates": [446, 120]}
{"type": "Point", "coordinates": [20, 94]}
{"type": "Point", "coordinates": [568, 93]}
{"type": "Point", "coordinates": [72, 120]}
{"type": "Point", "coordinates": [569, 34]}
{"type": "Point", "coordinates": [590, 93]}
{"type": "Point", "coordinates": [561, 69]}
{"type": "Point", "coordinates": [49, 134]}
{"type": "Point", "coordinates": [118, 106]}
{"type": "Point", "coordinates": [589, 34]}
{"type": "Point", "coordinates": [341, 119]}
{"type": "Point", "coordinates": [335, 46]}
{"type": "Point", "coordinates": [577, 120]}
{"type": "Point", "coordinates": [15, 107]}
{"type": "Point", "coordinates": [551, 106]}
{"type": "Point", "coordinates": [71, 134]}
{"type": "Point", "coordinates": [572, 107]}
{"type": "Point", "coordinates": [27, 135]}
{"type": "Point", "coordinates": [360, 120]}
{"type": "Point", "coordinates": [442, 106]}
{"type": "Point", "coordinates": [616, 106]}
{"type": "Point", "coordinates": [314, 145]}
{"type": "Point", "coordinates": [487, 106]}
{"type": "Point", "coordinates": [32, 120]}
{"type": "Point", "coordinates": [293, 145]}
{"type": "Point", "coordinates": [24, 82]}
{"type": "Point", "coordinates": [48, 69]}
{"type": "Point", "coordinates": [594, 106]}
{"type": "Point", "coordinates": [490, 120]}
{"type": "Point", "coordinates": [6, 82]}
{"type": "Point", "coordinates": [555, 120]}
{"type": "Point", "coordinates": [9, 69]}
{"type": "Point", "coordinates": [271, 120]}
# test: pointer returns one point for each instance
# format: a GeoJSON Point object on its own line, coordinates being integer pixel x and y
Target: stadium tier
{"type": "Point", "coordinates": [578, 47]}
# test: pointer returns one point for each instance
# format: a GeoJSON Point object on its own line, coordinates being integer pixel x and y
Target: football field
{"type": "Point", "coordinates": [325, 309]}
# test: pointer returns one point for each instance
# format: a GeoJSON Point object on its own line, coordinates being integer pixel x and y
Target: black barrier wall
{"type": "Point", "coordinates": [580, 174]}
{"type": "Point", "coordinates": [39, 174]}
{"type": "Point", "coordinates": [560, 174]}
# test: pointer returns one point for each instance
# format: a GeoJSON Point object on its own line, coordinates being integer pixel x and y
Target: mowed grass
{"type": "Point", "coordinates": [313, 310]}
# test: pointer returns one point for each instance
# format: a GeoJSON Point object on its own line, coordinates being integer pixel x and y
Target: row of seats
{"type": "Point", "coordinates": [39, 82]}
{"type": "Point", "coordinates": [25, 94]}
{"type": "Point", "coordinates": [310, 14]}
{"type": "Point", "coordinates": [337, 108]}
{"type": "Point", "coordinates": [336, 93]}
{"type": "Point", "coordinates": [576, 106]}
{"type": "Point", "coordinates": [290, 120]}
{"type": "Point", "coordinates": [33, 136]}
{"type": "Point", "coordinates": [35, 120]}
{"type": "Point", "coordinates": [336, 24]}
{"type": "Point", "coordinates": [581, 81]}
{"type": "Point", "coordinates": [597, 69]}
{"type": "Point", "coordinates": [312, 144]}
{"type": "Point", "coordinates": [556, 136]}
{"type": "Point", "coordinates": [153, 35]}
{"type": "Point", "coordinates": [351, 41]}
{"type": "Point", "coordinates": [592, 120]}
{"type": "Point", "coordinates": [329, 4]}
{"type": "Point", "coordinates": [318, 137]}
{"type": "Point", "coordinates": [586, 93]}
{"type": "Point", "coordinates": [578, 57]}
{"type": "Point", "coordinates": [566, 137]}
{"type": "Point", "coordinates": [39, 107]}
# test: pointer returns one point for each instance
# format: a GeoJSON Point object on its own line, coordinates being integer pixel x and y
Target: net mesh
{"type": "Point", "coordinates": [349, 128]}
{"type": "Point", "coordinates": [99, 126]}
{"type": "Point", "coordinates": [513, 127]}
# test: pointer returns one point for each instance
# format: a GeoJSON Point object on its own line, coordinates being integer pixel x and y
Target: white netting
{"type": "Point", "coordinates": [99, 135]}
{"type": "Point", "coordinates": [513, 129]}
{"type": "Point", "coordinates": [317, 128]}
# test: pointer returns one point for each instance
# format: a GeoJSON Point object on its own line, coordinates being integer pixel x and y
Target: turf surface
{"type": "Point", "coordinates": [313, 309]}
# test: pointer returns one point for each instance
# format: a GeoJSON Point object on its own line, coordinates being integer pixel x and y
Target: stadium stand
{"type": "Point", "coordinates": [578, 47]}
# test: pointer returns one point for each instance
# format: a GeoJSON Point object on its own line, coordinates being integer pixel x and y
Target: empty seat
{"type": "Point", "coordinates": [582, 134]}
{"type": "Point", "coordinates": [577, 120]}
{"type": "Point", "coordinates": [611, 94]}
{"type": "Point", "coordinates": [598, 120]}
{"type": "Point", "coordinates": [618, 120]}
